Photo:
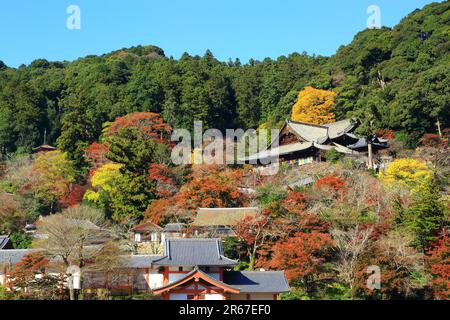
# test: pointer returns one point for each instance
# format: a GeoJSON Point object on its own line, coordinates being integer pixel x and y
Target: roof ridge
{"type": "Point", "coordinates": [193, 239]}
{"type": "Point", "coordinates": [227, 208]}
{"type": "Point", "coordinates": [308, 124]}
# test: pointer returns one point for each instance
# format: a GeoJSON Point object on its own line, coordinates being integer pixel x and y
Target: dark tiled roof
{"type": "Point", "coordinates": [194, 252]}
{"type": "Point", "coordinates": [140, 261]}
{"type": "Point", "coordinates": [174, 227]}
{"type": "Point", "coordinates": [257, 281]}
{"type": "Point", "coordinates": [13, 256]}
{"type": "Point", "coordinates": [5, 243]}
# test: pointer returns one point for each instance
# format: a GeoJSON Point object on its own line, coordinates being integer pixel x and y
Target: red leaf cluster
{"type": "Point", "coordinates": [301, 255]}
{"type": "Point", "coordinates": [439, 261]}
{"type": "Point", "coordinates": [74, 196]}
{"type": "Point", "coordinates": [96, 153]}
{"type": "Point", "coordinates": [150, 124]}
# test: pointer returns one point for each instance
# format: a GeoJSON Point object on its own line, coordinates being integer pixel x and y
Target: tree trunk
{"type": "Point", "coordinates": [71, 294]}
{"type": "Point", "coordinates": [252, 254]}
{"type": "Point", "coordinates": [370, 155]}
{"type": "Point", "coordinates": [439, 128]}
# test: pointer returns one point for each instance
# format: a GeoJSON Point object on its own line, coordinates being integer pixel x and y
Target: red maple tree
{"type": "Point", "coordinates": [302, 255]}
{"type": "Point", "coordinates": [439, 261]}
{"type": "Point", "coordinates": [150, 124]}
{"type": "Point", "coordinates": [251, 231]}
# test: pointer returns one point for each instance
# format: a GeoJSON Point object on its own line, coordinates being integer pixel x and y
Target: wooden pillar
{"type": "Point", "coordinates": [5, 270]}
{"type": "Point", "coordinates": [275, 296]}
{"type": "Point", "coordinates": [166, 275]}
{"type": "Point", "coordinates": [248, 296]}
{"type": "Point", "coordinates": [370, 155]}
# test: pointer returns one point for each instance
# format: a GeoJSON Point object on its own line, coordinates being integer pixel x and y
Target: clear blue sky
{"type": "Point", "coordinates": [31, 29]}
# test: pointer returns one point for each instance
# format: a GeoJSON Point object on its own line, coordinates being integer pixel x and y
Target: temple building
{"type": "Point", "coordinates": [196, 269]}
{"type": "Point", "coordinates": [188, 269]}
{"type": "Point", "coordinates": [302, 143]}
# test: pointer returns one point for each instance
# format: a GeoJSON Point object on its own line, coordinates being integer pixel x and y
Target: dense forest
{"type": "Point", "coordinates": [396, 78]}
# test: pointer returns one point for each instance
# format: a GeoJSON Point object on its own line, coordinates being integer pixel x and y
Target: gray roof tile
{"type": "Point", "coordinates": [194, 252]}
{"type": "Point", "coordinates": [170, 227]}
{"type": "Point", "coordinates": [257, 281]}
{"type": "Point", "coordinates": [139, 261]}
{"type": "Point", "coordinates": [13, 255]}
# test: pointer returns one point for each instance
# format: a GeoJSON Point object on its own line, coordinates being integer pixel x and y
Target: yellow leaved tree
{"type": "Point", "coordinates": [102, 180]}
{"type": "Point", "coordinates": [314, 106]}
{"type": "Point", "coordinates": [408, 172]}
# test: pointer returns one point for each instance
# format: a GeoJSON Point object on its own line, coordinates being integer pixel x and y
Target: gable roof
{"type": "Point", "coordinates": [196, 274]}
{"type": "Point", "coordinates": [318, 133]}
{"type": "Point", "coordinates": [309, 132]}
{"type": "Point", "coordinates": [174, 227]}
{"type": "Point", "coordinates": [339, 128]}
{"type": "Point", "coordinates": [257, 281]}
{"type": "Point", "coordinates": [311, 135]}
{"type": "Point", "coordinates": [5, 242]}
{"type": "Point", "coordinates": [222, 216]}
{"type": "Point", "coordinates": [194, 252]}
{"type": "Point", "coordinates": [146, 226]}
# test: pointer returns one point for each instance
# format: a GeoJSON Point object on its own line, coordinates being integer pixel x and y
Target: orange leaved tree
{"type": "Point", "coordinates": [302, 256]}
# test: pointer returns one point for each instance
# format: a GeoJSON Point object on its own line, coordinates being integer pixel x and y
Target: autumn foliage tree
{"type": "Point", "coordinates": [96, 153]}
{"type": "Point", "coordinates": [314, 106]}
{"type": "Point", "coordinates": [53, 174]}
{"type": "Point", "coordinates": [29, 278]}
{"type": "Point", "coordinates": [219, 189]}
{"type": "Point", "coordinates": [302, 257]}
{"type": "Point", "coordinates": [150, 124]}
{"type": "Point", "coordinates": [407, 172]}
{"type": "Point", "coordinates": [438, 259]}
{"type": "Point", "coordinates": [12, 216]}
{"type": "Point", "coordinates": [252, 232]}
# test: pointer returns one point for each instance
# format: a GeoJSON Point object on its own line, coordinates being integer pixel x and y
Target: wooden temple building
{"type": "Point", "coordinates": [301, 143]}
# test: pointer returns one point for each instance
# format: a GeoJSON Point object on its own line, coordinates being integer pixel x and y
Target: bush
{"type": "Point", "coordinates": [295, 294]}
{"type": "Point", "coordinates": [333, 156]}
{"type": "Point", "coordinates": [20, 240]}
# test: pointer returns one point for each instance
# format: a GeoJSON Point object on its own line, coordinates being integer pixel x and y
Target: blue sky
{"type": "Point", "coordinates": [31, 29]}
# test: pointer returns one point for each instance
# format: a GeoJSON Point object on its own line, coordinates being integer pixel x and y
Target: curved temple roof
{"type": "Point", "coordinates": [196, 275]}
{"type": "Point", "coordinates": [193, 252]}
{"type": "Point", "coordinates": [322, 137]}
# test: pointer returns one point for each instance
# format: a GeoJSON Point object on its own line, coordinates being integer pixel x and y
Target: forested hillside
{"type": "Point", "coordinates": [397, 77]}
